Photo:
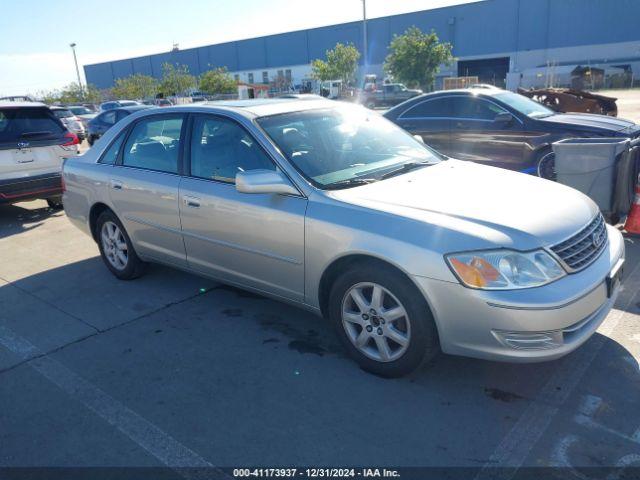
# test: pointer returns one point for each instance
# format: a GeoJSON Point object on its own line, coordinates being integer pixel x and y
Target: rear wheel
{"type": "Point", "coordinates": [383, 320]}
{"type": "Point", "coordinates": [55, 203]}
{"type": "Point", "coordinates": [116, 248]}
{"type": "Point", "coordinates": [547, 165]}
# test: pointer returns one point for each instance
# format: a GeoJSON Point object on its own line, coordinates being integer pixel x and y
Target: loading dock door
{"type": "Point", "coordinates": [489, 70]}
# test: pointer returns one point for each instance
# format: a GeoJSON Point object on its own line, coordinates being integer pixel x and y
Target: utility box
{"type": "Point", "coordinates": [589, 165]}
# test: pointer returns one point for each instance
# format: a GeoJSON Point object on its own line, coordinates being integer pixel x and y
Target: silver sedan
{"type": "Point", "coordinates": [333, 208]}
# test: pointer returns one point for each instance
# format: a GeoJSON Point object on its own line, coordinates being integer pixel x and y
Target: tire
{"type": "Point", "coordinates": [116, 249]}
{"type": "Point", "coordinates": [55, 203]}
{"type": "Point", "coordinates": [546, 164]}
{"type": "Point", "coordinates": [416, 327]}
{"type": "Point", "coordinates": [90, 140]}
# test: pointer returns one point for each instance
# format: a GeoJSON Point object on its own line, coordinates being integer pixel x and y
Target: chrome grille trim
{"type": "Point", "coordinates": [579, 251]}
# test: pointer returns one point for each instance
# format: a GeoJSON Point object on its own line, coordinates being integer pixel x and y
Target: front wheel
{"type": "Point", "coordinates": [116, 248]}
{"type": "Point", "coordinates": [383, 320]}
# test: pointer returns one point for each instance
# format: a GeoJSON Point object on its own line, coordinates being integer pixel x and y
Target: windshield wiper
{"type": "Point", "coordinates": [349, 182]}
{"type": "Point", "coordinates": [406, 167]}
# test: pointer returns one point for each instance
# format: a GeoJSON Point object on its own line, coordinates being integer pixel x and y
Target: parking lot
{"type": "Point", "coordinates": [176, 370]}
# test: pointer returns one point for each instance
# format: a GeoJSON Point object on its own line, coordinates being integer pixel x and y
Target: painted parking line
{"type": "Point", "coordinates": [158, 443]}
{"type": "Point", "coordinates": [511, 452]}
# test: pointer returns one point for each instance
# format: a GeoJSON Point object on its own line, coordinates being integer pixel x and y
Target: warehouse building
{"type": "Point", "coordinates": [508, 43]}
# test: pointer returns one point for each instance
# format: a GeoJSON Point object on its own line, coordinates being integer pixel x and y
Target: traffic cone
{"type": "Point", "coordinates": [632, 225]}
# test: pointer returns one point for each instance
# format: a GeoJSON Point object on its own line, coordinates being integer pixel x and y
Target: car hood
{"type": "Point", "coordinates": [494, 206]}
{"type": "Point", "coordinates": [590, 121]}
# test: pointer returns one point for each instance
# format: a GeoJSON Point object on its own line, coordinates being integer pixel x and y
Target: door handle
{"type": "Point", "coordinates": [116, 185]}
{"type": "Point", "coordinates": [192, 202]}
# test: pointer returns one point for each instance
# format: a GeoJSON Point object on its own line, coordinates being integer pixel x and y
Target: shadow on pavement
{"type": "Point", "coordinates": [16, 219]}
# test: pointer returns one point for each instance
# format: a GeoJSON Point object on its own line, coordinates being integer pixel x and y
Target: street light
{"type": "Point", "coordinates": [364, 30]}
{"type": "Point", "coordinates": [75, 59]}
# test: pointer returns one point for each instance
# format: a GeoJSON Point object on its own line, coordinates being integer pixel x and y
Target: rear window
{"type": "Point", "coordinates": [62, 113]}
{"type": "Point", "coordinates": [28, 123]}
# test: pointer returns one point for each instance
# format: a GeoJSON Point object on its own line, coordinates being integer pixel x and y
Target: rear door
{"type": "Point", "coordinates": [431, 120]}
{"type": "Point", "coordinates": [31, 140]}
{"type": "Point", "coordinates": [144, 183]}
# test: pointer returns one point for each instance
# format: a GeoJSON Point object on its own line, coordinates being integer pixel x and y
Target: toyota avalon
{"type": "Point", "coordinates": [334, 208]}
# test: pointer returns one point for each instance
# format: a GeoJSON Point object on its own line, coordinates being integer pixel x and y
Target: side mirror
{"type": "Point", "coordinates": [504, 118]}
{"type": "Point", "coordinates": [264, 181]}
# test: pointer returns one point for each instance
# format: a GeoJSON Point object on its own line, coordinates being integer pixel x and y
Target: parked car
{"type": "Point", "coordinates": [84, 114]}
{"type": "Point", "coordinates": [33, 143]}
{"type": "Point", "coordinates": [107, 119]}
{"type": "Point", "coordinates": [500, 128]}
{"type": "Point", "coordinates": [333, 208]}
{"type": "Point", "coordinates": [117, 104]}
{"type": "Point", "coordinates": [69, 120]}
{"type": "Point", "coordinates": [390, 94]}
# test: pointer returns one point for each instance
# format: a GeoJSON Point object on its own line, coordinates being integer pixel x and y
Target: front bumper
{"type": "Point", "coordinates": [529, 325]}
{"type": "Point", "coordinates": [30, 188]}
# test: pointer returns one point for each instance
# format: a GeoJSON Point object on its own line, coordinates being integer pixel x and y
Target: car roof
{"type": "Point", "coordinates": [58, 107]}
{"type": "Point", "coordinates": [131, 108]}
{"type": "Point", "coordinates": [262, 107]}
{"type": "Point", "coordinates": [10, 104]}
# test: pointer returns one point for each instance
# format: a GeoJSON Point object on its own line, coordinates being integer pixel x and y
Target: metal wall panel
{"type": "Point", "coordinates": [487, 27]}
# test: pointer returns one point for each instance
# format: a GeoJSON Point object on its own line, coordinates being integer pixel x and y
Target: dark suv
{"type": "Point", "coordinates": [500, 128]}
{"type": "Point", "coordinates": [33, 144]}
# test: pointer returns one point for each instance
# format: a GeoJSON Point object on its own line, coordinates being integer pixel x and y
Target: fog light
{"type": "Point", "coordinates": [530, 341]}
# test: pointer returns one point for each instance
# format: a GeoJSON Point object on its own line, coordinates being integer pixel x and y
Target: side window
{"type": "Point", "coordinates": [111, 155]}
{"type": "Point", "coordinates": [436, 108]}
{"type": "Point", "coordinates": [475, 108]}
{"type": "Point", "coordinates": [154, 144]}
{"type": "Point", "coordinates": [109, 117]}
{"type": "Point", "coordinates": [220, 148]}
{"type": "Point", "coordinates": [120, 114]}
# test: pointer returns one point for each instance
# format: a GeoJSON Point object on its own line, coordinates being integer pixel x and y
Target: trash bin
{"type": "Point", "coordinates": [589, 165]}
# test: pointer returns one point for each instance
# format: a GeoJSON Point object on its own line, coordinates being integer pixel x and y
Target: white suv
{"type": "Point", "coordinates": [33, 144]}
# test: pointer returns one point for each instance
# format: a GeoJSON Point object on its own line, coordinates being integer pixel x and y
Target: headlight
{"type": "Point", "coordinates": [505, 269]}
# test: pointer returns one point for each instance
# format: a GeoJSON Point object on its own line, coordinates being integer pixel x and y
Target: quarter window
{"type": "Point", "coordinates": [436, 108]}
{"type": "Point", "coordinates": [154, 144]}
{"type": "Point", "coordinates": [220, 148]}
{"type": "Point", "coordinates": [111, 155]}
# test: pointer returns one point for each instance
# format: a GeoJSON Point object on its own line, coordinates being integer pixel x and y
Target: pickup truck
{"type": "Point", "coordinates": [389, 95]}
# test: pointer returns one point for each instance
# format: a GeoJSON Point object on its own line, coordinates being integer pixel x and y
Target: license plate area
{"type": "Point", "coordinates": [24, 155]}
{"type": "Point", "coordinates": [614, 279]}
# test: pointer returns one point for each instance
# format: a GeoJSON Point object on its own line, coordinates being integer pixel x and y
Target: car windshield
{"type": "Point", "coordinates": [344, 145]}
{"type": "Point", "coordinates": [80, 110]}
{"type": "Point", "coordinates": [524, 105]}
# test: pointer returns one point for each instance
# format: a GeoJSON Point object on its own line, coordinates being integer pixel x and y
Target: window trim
{"type": "Point", "coordinates": [188, 158]}
{"type": "Point", "coordinates": [129, 130]}
{"type": "Point", "coordinates": [403, 117]}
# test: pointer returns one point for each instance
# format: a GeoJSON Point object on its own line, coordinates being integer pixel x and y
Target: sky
{"type": "Point", "coordinates": [35, 55]}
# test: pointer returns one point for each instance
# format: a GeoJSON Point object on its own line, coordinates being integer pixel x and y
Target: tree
{"type": "Point", "coordinates": [136, 86]}
{"type": "Point", "coordinates": [217, 81]}
{"type": "Point", "coordinates": [71, 94]}
{"type": "Point", "coordinates": [176, 80]}
{"type": "Point", "coordinates": [341, 64]}
{"type": "Point", "coordinates": [416, 57]}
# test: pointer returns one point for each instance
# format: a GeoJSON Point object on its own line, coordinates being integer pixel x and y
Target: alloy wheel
{"type": "Point", "coordinates": [547, 166]}
{"type": "Point", "coordinates": [114, 245]}
{"type": "Point", "coordinates": [375, 322]}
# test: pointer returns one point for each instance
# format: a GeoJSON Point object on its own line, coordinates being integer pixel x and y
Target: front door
{"type": "Point", "coordinates": [144, 186]}
{"type": "Point", "coordinates": [256, 240]}
{"type": "Point", "coordinates": [478, 137]}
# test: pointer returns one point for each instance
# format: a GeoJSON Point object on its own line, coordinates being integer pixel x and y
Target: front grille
{"type": "Point", "coordinates": [584, 247]}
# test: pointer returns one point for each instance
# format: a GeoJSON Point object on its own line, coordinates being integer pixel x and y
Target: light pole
{"type": "Point", "coordinates": [364, 30]}
{"type": "Point", "coordinates": [75, 59]}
